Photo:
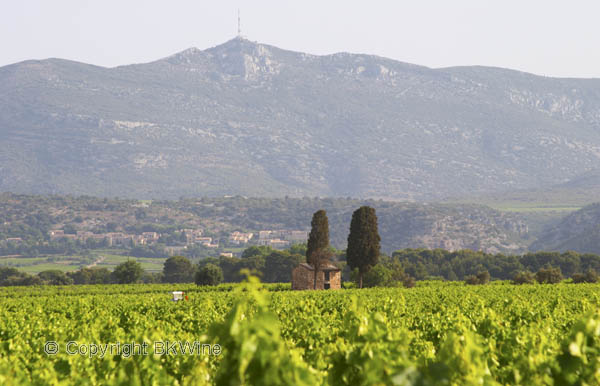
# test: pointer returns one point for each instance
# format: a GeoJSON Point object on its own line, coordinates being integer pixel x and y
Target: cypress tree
{"type": "Point", "coordinates": [318, 242]}
{"type": "Point", "coordinates": [363, 241]}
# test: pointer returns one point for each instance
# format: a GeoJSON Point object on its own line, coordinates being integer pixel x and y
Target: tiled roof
{"type": "Point", "coordinates": [326, 267]}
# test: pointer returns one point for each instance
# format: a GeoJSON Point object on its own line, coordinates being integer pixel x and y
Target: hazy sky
{"type": "Point", "coordinates": [553, 38]}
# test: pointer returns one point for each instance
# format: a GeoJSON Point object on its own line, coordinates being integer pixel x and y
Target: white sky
{"type": "Point", "coordinates": [552, 38]}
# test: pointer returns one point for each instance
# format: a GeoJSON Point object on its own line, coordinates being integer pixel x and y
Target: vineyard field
{"type": "Point", "coordinates": [438, 333]}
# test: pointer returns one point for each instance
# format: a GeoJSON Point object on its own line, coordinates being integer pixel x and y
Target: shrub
{"type": "Point", "coordinates": [94, 275]}
{"type": "Point", "coordinates": [548, 275]}
{"type": "Point", "coordinates": [385, 276]}
{"type": "Point", "coordinates": [55, 277]}
{"type": "Point", "coordinates": [578, 277]}
{"type": "Point", "coordinates": [524, 277]}
{"type": "Point", "coordinates": [482, 277]}
{"type": "Point", "coordinates": [152, 277]}
{"type": "Point", "coordinates": [408, 281]}
{"type": "Point", "coordinates": [589, 277]}
{"type": "Point", "coordinates": [210, 274]}
{"type": "Point", "coordinates": [378, 276]}
{"type": "Point", "coordinates": [178, 269]}
{"type": "Point", "coordinates": [13, 277]}
{"type": "Point", "coordinates": [128, 272]}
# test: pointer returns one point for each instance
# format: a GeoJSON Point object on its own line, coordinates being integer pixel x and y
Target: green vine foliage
{"type": "Point", "coordinates": [434, 334]}
{"type": "Point", "coordinates": [254, 351]}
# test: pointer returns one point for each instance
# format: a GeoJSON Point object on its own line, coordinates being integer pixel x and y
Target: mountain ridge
{"type": "Point", "coordinates": [253, 119]}
{"type": "Point", "coordinates": [196, 49]}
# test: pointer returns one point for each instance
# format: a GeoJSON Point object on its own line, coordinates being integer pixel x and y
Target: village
{"type": "Point", "coordinates": [276, 239]}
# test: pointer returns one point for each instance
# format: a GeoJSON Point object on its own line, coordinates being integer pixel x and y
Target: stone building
{"type": "Point", "coordinates": [329, 277]}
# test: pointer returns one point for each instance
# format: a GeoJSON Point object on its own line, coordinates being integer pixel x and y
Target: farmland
{"type": "Point", "coordinates": [100, 258]}
{"type": "Point", "coordinates": [435, 333]}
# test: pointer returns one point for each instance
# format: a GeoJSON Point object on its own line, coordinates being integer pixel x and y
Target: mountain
{"type": "Point", "coordinates": [588, 181]}
{"type": "Point", "coordinates": [555, 200]}
{"type": "Point", "coordinates": [579, 231]}
{"type": "Point", "coordinates": [252, 119]}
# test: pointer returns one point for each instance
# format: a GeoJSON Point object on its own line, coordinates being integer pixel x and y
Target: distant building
{"type": "Point", "coordinates": [56, 234]}
{"type": "Point", "coordinates": [226, 254]}
{"type": "Point", "coordinates": [262, 235]}
{"type": "Point", "coordinates": [112, 238]}
{"type": "Point", "coordinates": [150, 237]}
{"type": "Point", "coordinates": [274, 243]}
{"type": "Point", "coordinates": [206, 241]}
{"type": "Point", "coordinates": [138, 240]}
{"type": "Point", "coordinates": [328, 277]}
{"type": "Point", "coordinates": [120, 239]}
{"type": "Point", "coordinates": [192, 235]}
{"type": "Point", "coordinates": [240, 238]}
{"type": "Point", "coordinates": [291, 236]}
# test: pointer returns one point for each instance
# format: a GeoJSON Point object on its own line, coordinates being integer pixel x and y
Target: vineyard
{"type": "Point", "coordinates": [434, 334]}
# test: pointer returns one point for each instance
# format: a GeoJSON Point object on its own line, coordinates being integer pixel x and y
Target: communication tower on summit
{"type": "Point", "coordinates": [239, 25]}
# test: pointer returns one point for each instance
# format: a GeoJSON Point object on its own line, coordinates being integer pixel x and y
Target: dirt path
{"type": "Point", "coordinates": [100, 260]}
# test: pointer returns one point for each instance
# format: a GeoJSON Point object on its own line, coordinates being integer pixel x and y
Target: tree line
{"type": "Point", "coordinates": [458, 265]}
{"type": "Point", "coordinates": [271, 265]}
{"type": "Point", "coordinates": [274, 266]}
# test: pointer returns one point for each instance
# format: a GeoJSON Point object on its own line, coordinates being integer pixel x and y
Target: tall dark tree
{"type": "Point", "coordinates": [363, 241]}
{"type": "Point", "coordinates": [318, 242]}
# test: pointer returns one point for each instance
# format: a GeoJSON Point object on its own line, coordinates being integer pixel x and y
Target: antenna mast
{"type": "Point", "coordinates": [239, 25]}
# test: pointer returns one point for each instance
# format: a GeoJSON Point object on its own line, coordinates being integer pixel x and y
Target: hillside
{"type": "Point", "coordinates": [579, 231]}
{"type": "Point", "coordinates": [581, 190]}
{"type": "Point", "coordinates": [252, 119]}
{"type": "Point", "coordinates": [401, 225]}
